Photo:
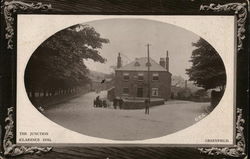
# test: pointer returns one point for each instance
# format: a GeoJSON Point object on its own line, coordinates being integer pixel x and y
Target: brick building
{"type": "Point", "coordinates": [131, 80]}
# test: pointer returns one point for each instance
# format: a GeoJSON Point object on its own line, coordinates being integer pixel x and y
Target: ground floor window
{"type": "Point", "coordinates": [155, 92]}
{"type": "Point", "coordinates": [125, 90]}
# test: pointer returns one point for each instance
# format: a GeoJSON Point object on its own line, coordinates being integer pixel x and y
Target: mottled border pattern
{"type": "Point", "coordinates": [11, 7]}
{"type": "Point", "coordinates": [238, 150]}
{"type": "Point", "coordinates": [239, 10]}
{"type": "Point", "coordinates": [11, 149]}
{"type": "Point", "coordinates": [8, 9]}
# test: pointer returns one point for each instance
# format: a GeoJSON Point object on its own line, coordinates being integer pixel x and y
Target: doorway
{"type": "Point", "coordinates": [139, 92]}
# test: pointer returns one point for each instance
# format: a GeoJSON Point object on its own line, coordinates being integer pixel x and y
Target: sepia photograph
{"type": "Point", "coordinates": [113, 79]}
{"type": "Point", "coordinates": [125, 79]}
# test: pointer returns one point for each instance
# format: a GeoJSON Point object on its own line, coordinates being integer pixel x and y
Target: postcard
{"type": "Point", "coordinates": [99, 84]}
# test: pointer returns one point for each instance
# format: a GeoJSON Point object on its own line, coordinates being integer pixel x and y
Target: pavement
{"type": "Point", "coordinates": [79, 115]}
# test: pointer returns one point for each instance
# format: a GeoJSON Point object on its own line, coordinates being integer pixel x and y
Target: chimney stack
{"type": "Point", "coordinates": [119, 61]}
{"type": "Point", "coordinates": [167, 61]}
{"type": "Point", "coordinates": [162, 62]}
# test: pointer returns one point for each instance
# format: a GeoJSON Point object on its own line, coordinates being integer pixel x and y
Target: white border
{"type": "Point", "coordinates": [32, 30]}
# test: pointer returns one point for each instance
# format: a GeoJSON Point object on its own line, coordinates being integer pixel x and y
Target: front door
{"type": "Point", "coordinates": [139, 92]}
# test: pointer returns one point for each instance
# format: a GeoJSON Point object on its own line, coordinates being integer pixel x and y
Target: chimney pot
{"type": "Point", "coordinates": [162, 62]}
{"type": "Point", "coordinates": [119, 60]}
{"type": "Point", "coordinates": [167, 61]}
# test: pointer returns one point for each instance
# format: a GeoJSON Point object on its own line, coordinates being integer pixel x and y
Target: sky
{"type": "Point", "coordinates": [130, 36]}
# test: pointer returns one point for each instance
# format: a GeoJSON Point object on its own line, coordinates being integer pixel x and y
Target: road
{"type": "Point", "coordinates": [79, 115]}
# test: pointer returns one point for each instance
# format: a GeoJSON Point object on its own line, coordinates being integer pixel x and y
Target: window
{"type": "Point", "coordinates": [155, 76]}
{"type": "Point", "coordinates": [155, 92]}
{"type": "Point", "coordinates": [125, 90]}
{"type": "Point", "coordinates": [140, 76]}
{"type": "Point", "coordinates": [126, 76]}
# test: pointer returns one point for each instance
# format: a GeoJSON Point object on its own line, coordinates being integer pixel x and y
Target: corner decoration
{"type": "Point", "coordinates": [237, 150]}
{"type": "Point", "coordinates": [11, 149]}
{"type": "Point", "coordinates": [239, 10]}
{"type": "Point", "coordinates": [11, 7]}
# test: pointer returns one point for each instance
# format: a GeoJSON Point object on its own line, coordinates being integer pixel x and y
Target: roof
{"type": "Point", "coordinates": [140, 65]}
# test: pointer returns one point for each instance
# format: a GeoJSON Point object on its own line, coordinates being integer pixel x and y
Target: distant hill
{"type": "Point", "coordinates": [95, 75]}
{"type": "Point", "coordinates": [101, 81]}
{"type": "Point", "coordinates": [98, 76]}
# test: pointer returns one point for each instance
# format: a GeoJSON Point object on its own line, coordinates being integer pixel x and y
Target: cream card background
{"type": "Point", "coordinates": [32, 30]}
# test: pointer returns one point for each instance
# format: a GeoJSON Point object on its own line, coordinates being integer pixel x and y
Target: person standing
{"type": "Point", "coordinates": [147, 104]}
{"type": "Point", "coordinates": [97, 100]}
{"type": "Point", "coordinates": [121, 103]}
{"type": "Point", "coordinates": [115, 102]}
{"type": "Point", "coordinates": [104, 103]}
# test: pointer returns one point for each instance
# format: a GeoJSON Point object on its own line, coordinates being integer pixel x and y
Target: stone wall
{"type": "Point", "coordinates": [140, 104]}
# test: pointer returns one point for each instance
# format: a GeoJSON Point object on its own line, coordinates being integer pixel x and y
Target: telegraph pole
{"type": "Point", "coordinates": [148, 64]}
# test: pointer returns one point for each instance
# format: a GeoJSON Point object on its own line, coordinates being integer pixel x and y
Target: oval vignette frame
{"type": "Point", "coordinates": [8, 142]}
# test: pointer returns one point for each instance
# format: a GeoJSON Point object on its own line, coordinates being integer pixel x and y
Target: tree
{"type": "Point", "coordinates": [207, 68]}
{"type": "Point", "coordinates": [201, 93]}
{"type": "Point", "coordinates": [57, 64]}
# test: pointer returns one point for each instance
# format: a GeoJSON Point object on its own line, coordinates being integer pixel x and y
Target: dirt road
{"type": "Point", "coordinates": [79, 115]}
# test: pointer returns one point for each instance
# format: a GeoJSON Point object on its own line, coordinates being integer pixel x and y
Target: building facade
{"type": "Point", "coordinates": [134, 80]}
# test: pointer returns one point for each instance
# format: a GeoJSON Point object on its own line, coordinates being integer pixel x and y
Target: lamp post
{"type": "Point", "coordinates": [134, 85]}
{"type": "Point", "coordinates": [148, 65]}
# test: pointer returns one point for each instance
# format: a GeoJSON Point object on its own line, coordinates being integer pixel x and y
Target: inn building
{"type": "Point", "coordinates": [132, 80]}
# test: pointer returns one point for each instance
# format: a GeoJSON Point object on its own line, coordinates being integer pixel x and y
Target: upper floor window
{"type": "Point", "coordinates": [126, 76]}
{"type": "Point", "coordinates": [140, 76]}
{"type": "Point", "coordinates": [155, 76]}
{"type": "Point", "coordinates": [125, 90]}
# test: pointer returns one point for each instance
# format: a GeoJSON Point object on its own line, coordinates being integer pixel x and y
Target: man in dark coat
{"type": "Point", "coordinates": [121, 103]}
{"type": "Point", "coordinates": [115, 102]}
{"type": "Point", "coordinates": [97, 100]}
{"type": "Point", "coordinates": [147, 104]}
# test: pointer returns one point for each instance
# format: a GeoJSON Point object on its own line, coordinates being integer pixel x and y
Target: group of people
{"type": "Point", "coordinates": [100, 103]}
{"type": "Point", "coordinates": [118, 103]}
